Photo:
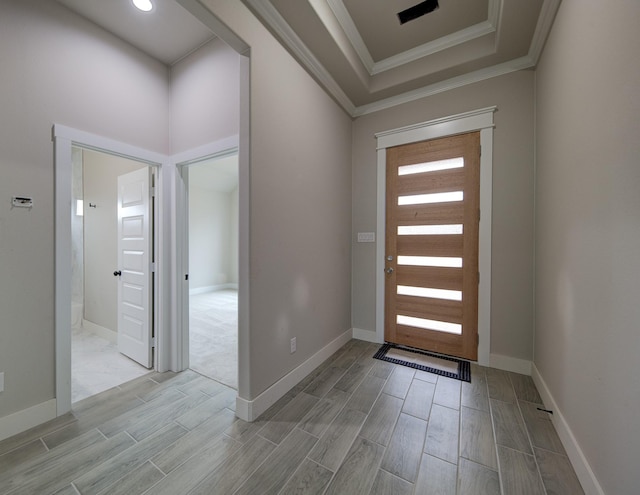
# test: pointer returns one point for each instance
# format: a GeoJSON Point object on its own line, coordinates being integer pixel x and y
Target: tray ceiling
{"type": "Point", "coordinates": [367, 60]}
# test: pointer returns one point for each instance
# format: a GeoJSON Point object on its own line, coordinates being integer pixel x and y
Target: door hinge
{"type": "Point", "coordinates": [152, 267]}
{"type": "Point", "coordinates": [153, 342]}
{"type": "Point", "coordinates": [153, 192]}
{"type": "Point", "coordinates": [478, 278]}
{"type": "Point", "coordinates": [479, 216]}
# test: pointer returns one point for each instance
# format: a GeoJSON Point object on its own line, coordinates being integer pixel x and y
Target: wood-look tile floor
{"type": "Point", "coordinates": [354, 426]}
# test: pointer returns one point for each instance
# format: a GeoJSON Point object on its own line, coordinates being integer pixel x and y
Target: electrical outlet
{"type": "Point", "coordinates": [293, 345]}
{"type": "Point", "coordinates": [2, 381]}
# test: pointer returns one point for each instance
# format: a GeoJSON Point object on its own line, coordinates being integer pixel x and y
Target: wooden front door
{"type": "Point", "coordinates": [431, 260]}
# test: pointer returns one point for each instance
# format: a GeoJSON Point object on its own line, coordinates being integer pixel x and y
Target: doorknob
{"type": "Point", "coordinates": [389, 270]}
{"type": "Point", "coordinates": [117, 273]}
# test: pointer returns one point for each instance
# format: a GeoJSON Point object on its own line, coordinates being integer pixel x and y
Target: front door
{"type": "Point", "coordinates": [135, 266]}
{"type": "Point", "coordinates": [431, 260]}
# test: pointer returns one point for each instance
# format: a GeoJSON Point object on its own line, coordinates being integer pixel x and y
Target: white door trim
{"type": "Point", "coordinates": [64, 138]}
{"type": "Point", "coordinates": [477, 120]}
{"type": "Point", "coordinates": [181, 162]}
{"type": "Point", "coordinates": [206, 16]}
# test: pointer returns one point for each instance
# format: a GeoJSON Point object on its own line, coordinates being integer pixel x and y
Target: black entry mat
{"type": "Point", "coordinates": [426, 361]}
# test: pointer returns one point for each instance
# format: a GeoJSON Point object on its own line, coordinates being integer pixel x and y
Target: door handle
{"type": "Point", "coordinates": [117, 273]}
{"type": "Point", "coordinates": [389, 270]}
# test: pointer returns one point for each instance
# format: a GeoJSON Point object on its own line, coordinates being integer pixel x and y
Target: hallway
{"type": "Point", "coordinates": [354, 425]}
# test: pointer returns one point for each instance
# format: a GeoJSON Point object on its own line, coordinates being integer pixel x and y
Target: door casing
{"type": "Point", "coordinates": [168, 355]}
{"type": "Point", "coordinates": [218, 149]}
{"type": "Point", "coordinates": [64, 139]}
{"type": "Point", "coordinates": [476, 120]}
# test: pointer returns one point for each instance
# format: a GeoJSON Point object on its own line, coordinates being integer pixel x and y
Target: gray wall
{"type": "Point", "coordinates": [56, 68]}
{"type": "Point", "coordinates": [300, 207]}
{"type": "Point", "coordinates": [588, 232]}
{"type": "Point", "coordinates": [211, 226]}
{"type": "Point", "coordinates": [100, 173]}
{"type": "Point", "coordinates": [60, 68]}
{"type": "Point", "coordinates": [205, 97]}
{"type": "Point", "coordinates": [512, 222]}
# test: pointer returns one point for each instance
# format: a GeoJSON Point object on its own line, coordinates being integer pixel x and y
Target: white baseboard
{"type": "Point", "coordinates": [28, 418]}
{"type": "Point", "coordinates": [250, 410]}
{"type": "Point", "coordinates": [578, 460]}
{"type": "Point", "coordinates": [211, 288]}
{"type": "Point", "coordinates": [100, 331]}
{"type": "Point", "coordinates": [507, 363]}
{"type": "Point", "coordinates": [366, 335]}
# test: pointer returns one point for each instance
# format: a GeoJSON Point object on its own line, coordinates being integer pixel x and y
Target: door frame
{"type": "Point", "coordinates": [477, 120]}
{"type": "Point", "coordinates": [64, 138]}
{"type": "Point", "coordinates": [181, 162]}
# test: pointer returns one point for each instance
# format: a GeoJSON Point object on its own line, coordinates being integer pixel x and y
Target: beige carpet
{"type": "Point", "coordinates": [213, 335]}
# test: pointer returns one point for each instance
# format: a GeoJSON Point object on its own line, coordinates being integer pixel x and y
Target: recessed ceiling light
{"type": "Point", "coordinates": [144, 5]}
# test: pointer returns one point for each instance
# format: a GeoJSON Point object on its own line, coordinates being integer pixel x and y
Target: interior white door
{"type": "Point", "coordinates": [134, 266]}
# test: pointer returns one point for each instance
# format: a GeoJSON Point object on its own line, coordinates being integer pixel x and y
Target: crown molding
{"type": "Point", "coordinates": [336, 32]}
{"type": "Point", "coordinates": [292, 41]}
{"type": "Point", "coordinates": [351, 31]}
{"type": "Point", "coordinates": [435, 46]}
{"type": "Point", "coordinates": [543, 27]}
{"type": "Point", "coordinates": [472, 32]}
{"type": "Point", "coordinates": [495, 7]}
{"type": "Point", "coordinates": [440, 87]}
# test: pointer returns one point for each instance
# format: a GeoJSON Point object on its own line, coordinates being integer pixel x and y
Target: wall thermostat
{"type": "Point", "coordinates": [22, 202]}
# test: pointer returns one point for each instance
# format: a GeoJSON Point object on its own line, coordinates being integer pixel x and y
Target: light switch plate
{"type": "Point", "coordinates": [366, 237]}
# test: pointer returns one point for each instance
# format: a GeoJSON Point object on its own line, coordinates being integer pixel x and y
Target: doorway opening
{"type": "Point", "coordinates": [110, 332]}
{"type": "Point", "coordinates": [211, 275]}
{"type": "Point", "coordinates": [480, 120]}
{"type": "Point", "coordinates": [154, 267]}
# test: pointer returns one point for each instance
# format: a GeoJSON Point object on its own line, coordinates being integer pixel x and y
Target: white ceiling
{"type": "Point", "coordinates": [357, 49]}
{"type": "Point", "coordinates": [167, 33]}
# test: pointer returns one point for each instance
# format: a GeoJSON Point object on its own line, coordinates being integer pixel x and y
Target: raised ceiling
{"type": "Point", "coordinates": [371, 19]}
{"type": "Point", "coordinates": [356, 49]}
{"type": "Point", "coordinates": [167, 33]}
{"type": "Point", "coordinates": [367, 60]}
